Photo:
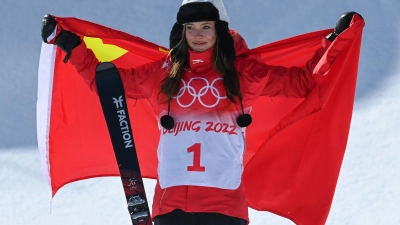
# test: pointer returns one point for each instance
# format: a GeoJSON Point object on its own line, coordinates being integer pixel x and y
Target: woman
{"type": "Point", "coordinates": [202, 94]}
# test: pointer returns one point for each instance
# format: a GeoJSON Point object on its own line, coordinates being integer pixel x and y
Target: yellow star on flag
{"type": "Point", "coordinates": [104, 52]}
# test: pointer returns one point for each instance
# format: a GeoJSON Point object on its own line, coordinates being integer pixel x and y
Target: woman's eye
{"type": "Point", "coordinates": [206, 27]}
{"type": "Point", "coordinates": [189, 27]}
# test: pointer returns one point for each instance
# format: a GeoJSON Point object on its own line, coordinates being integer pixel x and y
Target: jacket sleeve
{"type": "Point", "coordinates": [294, 82]}
{"type": "Point", "coordinates": [85, 62]}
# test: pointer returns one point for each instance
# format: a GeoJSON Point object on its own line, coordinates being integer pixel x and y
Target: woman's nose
{"type": "Point", "coordinates": [198, 33]}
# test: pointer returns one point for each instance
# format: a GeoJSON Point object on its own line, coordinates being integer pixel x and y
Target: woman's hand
{"type": "Point", "coordinates": [342, 24]}
{"type": "Point", "coordinates": [52, 33]}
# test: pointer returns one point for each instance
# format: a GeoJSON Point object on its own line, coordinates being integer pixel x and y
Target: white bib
{"type": "Point", "coordinates": [202, 152]}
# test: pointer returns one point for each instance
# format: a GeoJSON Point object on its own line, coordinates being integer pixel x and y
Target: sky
{"type": "Point", "coordinates": [368, 190]}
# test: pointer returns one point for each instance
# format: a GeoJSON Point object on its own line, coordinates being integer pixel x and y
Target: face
{"type": "Point", "coordinates": [201, 36]}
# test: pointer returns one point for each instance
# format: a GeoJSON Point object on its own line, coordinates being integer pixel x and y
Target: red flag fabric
{"type": "Point", "coordinates": [294, 147]}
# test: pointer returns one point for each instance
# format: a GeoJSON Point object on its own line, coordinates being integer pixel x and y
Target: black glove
{"type": "Point", "coordinates": [342, 24]}
{"type": "Point", "coordinates": [66, 40]}
{"type": "Point", "coordinates": [48, 26]}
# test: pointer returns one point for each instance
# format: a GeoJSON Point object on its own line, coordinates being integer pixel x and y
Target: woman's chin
{"type": "Point", "coordinates": [201, 48]}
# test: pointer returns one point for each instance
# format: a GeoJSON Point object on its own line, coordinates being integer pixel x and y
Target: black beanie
{"type": "Point", "coordinates": [196, 12]}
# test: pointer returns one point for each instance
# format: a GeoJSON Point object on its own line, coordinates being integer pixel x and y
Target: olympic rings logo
{"type": "Point", "coordinates": [203, 91]}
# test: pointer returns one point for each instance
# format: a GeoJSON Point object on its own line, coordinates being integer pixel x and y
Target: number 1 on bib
{"type": "Point", "coordinates": [196, 149]}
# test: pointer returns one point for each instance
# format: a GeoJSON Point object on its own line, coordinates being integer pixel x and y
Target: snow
{"type": "Point", "coordinates": [368, 190]}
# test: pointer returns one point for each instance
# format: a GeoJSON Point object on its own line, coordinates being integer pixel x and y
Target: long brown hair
{"type": "Point", "coordinates": [223, 58]}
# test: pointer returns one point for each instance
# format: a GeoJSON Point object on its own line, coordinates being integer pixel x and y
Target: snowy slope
{"type": "Point", "coordinates": [368, 190]}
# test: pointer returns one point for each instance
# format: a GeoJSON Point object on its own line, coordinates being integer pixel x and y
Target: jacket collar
{"type": "Point", "coordinates": [201, 62]}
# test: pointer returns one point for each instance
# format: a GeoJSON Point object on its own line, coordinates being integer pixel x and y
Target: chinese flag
{"type": "Point", "coordinates": [294, 147]}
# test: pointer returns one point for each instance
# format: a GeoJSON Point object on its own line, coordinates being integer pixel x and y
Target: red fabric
{"type": "Point", "coordinates": [291, 172]}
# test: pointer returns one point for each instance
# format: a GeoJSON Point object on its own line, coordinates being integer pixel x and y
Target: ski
{"type": "Point", "coordinates": [113, 102]}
